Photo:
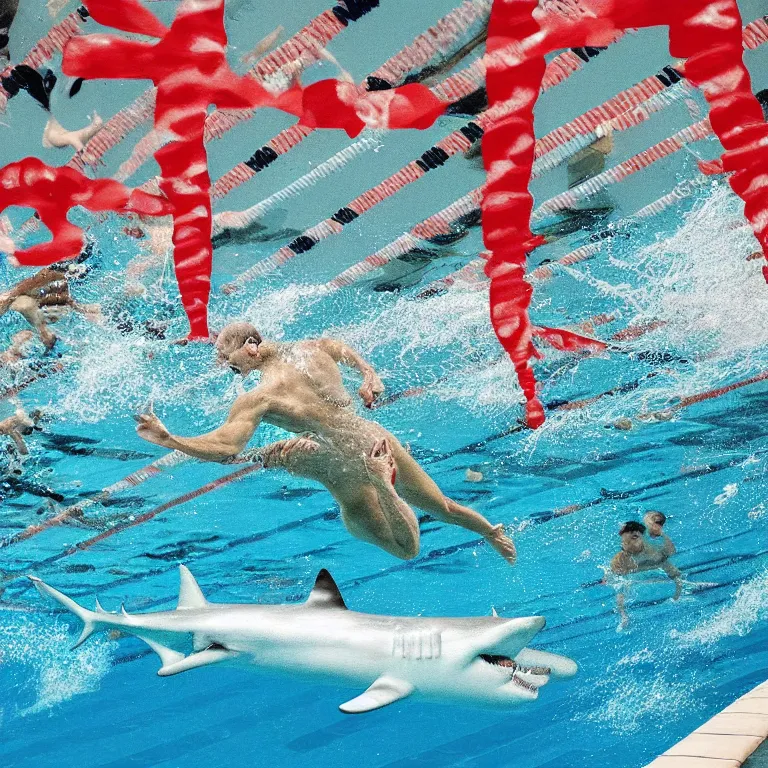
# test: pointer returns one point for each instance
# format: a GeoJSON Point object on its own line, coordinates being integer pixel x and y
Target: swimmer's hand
{"type": "Point", "coordinates": [371, 389]}
{"type": "Point", "coordinates": [499, 540]}
{"type": "Point", "coordinates": [151, 429]}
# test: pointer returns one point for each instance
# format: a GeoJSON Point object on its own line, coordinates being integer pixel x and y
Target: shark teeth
{"type": "Point", "coordinates": [519, 672]}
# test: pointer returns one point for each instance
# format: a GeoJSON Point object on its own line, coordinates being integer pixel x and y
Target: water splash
{"type": "Point", "coordinates": [49, 671]}
{"type": "Point", "coordinates": [638, 692]}
{"type": "Point", "coordinates": [748, 607]}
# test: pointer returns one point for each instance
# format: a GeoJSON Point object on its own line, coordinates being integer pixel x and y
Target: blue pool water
{"type": "Point", "coordinates": [563, 490]}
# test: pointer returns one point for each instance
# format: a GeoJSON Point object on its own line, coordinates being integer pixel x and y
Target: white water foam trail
{"type": "Point", "coordinates": [638, 692]}
{"type": "Point", "coordinates": [50, 672]}
{"type": "Point", "coordinates": [748, 607]}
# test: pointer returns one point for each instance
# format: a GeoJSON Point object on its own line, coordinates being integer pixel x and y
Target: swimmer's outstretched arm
{"type": "Point", "coordinates": [340, 352]}
{"type": "Point", "coordinates": [40, 280]}
{"type": "Point", "coordinates": [219, 445]}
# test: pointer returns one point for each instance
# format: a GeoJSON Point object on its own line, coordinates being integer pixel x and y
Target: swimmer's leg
{"type": "Point", "coordinates": [84, 135]}
{"type": "Point", "coordinates": [421, 491]}
{"type": "Point", "coordinates": [371, 510]}
{"type": "Point", "coordinates": [382, 518]}
{"type": "Point", "coordinates": [30, 311]}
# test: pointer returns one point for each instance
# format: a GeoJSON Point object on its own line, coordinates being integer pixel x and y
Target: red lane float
{"type": "Point", "coordinates": [706, 32]}
{"type": "Point", "coordinates": [53, 191]}
{"type": "Point", "coordinates": [189, 69]}
{"type": "Point", "coordinates": [625, 110]}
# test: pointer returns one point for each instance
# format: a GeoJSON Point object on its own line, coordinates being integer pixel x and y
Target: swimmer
{"type": "Point", "coordinates": [301, 390]}
{"type": "Point", "coordinates": [44, 298]}
{"type": "Point", "coordinates": [654, 523]}
{"type": "Point", "coordinates": [18, 349]}
{"type": "Point", "coordinates": [638, 555]}
{"type": "Point", "coordinates": [55, 135]}
{"type": "Point", "coordinates": [19, 426]}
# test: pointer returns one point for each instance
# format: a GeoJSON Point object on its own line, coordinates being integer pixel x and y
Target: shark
{"type": "Point", "coordinates": [481, 661]}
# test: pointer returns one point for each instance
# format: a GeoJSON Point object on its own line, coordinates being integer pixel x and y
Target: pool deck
{"type": "Point", "coordinates": [726, 740]}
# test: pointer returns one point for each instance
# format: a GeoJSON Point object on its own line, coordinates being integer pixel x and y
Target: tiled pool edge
{"type": "Point", "coordinates": [726, 740]}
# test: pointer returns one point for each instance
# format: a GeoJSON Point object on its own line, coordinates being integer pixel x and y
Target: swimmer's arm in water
{"type": "Point", "coordinates": [40, 280]}
{"type": "Point", "coordinates": [675, 575]}
{"type": "Point", "coordinates": [668, 548]}
{"type": "Point", "coordinates": [10, 427]}
{"type": "Point", "coordinates": [621, 565]}
{"type": "Point", "coordinates": [221, 444]}
{"type": "Point", "coordinates": [340, 352]}
{"type": "Point", "coordinates": [91, 311]}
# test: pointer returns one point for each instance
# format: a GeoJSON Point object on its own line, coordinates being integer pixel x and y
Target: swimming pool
{"type": "Point", "coordinates": [680, 279]}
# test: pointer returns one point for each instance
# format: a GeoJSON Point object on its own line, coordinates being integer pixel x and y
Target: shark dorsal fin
{"type": "Point", "coordinates": [190, 594]}
{"type": "Point", "coordinates": [325, 593]}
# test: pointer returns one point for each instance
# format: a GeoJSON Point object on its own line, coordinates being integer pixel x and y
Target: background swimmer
{"type": "Point", "coordinates": [638, 555]}
{"type": "Point", "coordinates": [45, 298]}
{"type": "Point", "coordinates": [654, 522]}
{"type": "Point", "coordinates": [56, 135]}
{"type": "Point", "coordinates": [20, 425]}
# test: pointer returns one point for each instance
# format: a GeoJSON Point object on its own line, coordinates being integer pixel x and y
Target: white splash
{"type": "Point", "coordinates": [748, 607]}
{"type": "Point", "coordinates": [53, 672]}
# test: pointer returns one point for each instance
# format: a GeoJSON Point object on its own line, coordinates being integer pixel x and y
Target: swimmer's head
{"type": "Point", "coordinates": [632, 537]}
{"type": "Point", "coordinates": [654, 522]}
{"type": "Point", "coordinates": [238, 347]}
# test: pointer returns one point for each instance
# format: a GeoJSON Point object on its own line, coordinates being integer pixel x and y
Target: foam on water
{"type": "Point", "coordinates": [639, 690]}
{"type": "Point", "coordinates": [36, 652]}
{"type": "Point", "coordinates": [747, 607]}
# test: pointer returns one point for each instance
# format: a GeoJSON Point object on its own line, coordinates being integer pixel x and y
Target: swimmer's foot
{"type": "Point", "coordinates": [499, 540]}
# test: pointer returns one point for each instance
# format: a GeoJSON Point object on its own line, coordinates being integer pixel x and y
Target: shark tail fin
{"type": "Point", "coordinates": [90, 619]}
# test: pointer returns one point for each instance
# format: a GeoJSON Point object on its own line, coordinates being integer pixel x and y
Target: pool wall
{"type": "Point", "coordinates": [725, 741]}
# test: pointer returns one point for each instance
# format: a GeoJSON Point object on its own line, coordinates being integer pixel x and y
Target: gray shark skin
{"type": "Point", "coordinates": [470, 661]}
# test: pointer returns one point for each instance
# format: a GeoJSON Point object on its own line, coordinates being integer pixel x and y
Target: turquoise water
{"type": "Point", "coordinates": [563, 490]}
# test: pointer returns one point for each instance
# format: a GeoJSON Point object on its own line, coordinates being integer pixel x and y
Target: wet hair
{"type": "Point", "coordinates": [238, 333]}
{"type": "Point", "coordinates": [631, 526]}
{"type": "Point", "coordinates": [662, 517]}
{"type": "Point", "coordinates": [762, 97]}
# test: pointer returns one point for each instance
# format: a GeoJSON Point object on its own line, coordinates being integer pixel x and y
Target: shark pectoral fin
{"type": "Point", "coordinates": [385, 690]}
{"type": "Point", "coordinates": [194, 660]}
{"type": "Point", "coordinates": [168, 656]}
